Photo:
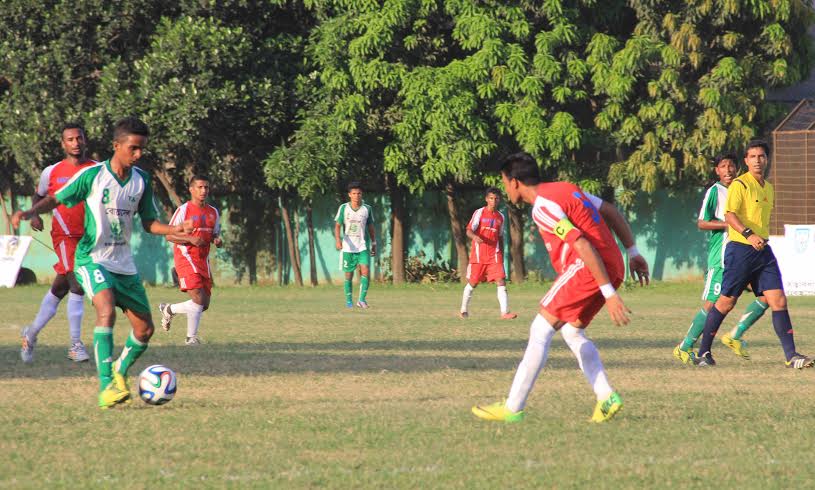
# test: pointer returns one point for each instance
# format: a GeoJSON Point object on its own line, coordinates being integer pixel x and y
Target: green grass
{"type": "Point", "coordinates": [291, 390]}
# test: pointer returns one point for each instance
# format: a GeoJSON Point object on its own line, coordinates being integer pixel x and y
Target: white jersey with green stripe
{"type": "Point", "coordinates": [355, 225]}
{"type": "Point", "coordinates": [110, 204]}
{"type": "Point", "coordinates": [713, 210]}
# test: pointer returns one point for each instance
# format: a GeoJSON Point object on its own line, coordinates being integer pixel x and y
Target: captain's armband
{"type": "Point", "coordinates": [562, 228]}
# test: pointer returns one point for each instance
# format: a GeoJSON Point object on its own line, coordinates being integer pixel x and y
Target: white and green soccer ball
{"type": "Point", "coordinates": [157, 384]}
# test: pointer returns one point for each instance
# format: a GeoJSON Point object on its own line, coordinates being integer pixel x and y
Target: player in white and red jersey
{"type": "Point", "coordinates": [574, 226]}
{"type": "Point", "coordinates": [67, 227]}
{"type": "Point", "coordinates": [486, 230]}
{"type": "Point", "coordinates": [191, 257]}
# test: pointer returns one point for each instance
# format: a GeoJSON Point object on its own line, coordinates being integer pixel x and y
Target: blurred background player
{"type": "Point", "coordinates": [113, 192]}
{"type": "Point", "coordinates": [583, 251]}
{"type": "Point", "coordinates": [67, 227]}
{"type": "Point", "coordinates": [748, 259]}
{"type": "Point", "coordinates": [355, 218]}
{"type": "Point", "coordinates": [191, 257]}
{"type": "Point", "coordinates": [486, 230]}
{"type": "Point", "coordinates": [711, 218]}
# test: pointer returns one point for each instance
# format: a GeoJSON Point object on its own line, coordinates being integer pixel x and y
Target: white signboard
{"type": "Point", "coordinates": [12, 252]}
{"type": "Point", "coordinates": [795, 252]}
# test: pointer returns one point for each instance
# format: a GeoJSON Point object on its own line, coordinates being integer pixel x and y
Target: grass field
{"type": "Point", "coordinates": [291, 390]}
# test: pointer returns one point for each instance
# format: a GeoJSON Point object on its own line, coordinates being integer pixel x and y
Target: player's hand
{"type": "Point", "coordinates": [217, 242]}
{"type": "Point", "coordinates": [187, 226]}
{"type": "Point", "coordinates": [756, 241]}
{"type": "Point", "coordinates": [16, 218]}
{"type": "Point", "coordinates": [36, 223]}
{"type": "Point", "coordinates": [196, 241]}
{"type": "Point", "coordinates": [339, 245]}
{"type": "Point", "coordinates": [478, 239]}
{"type": "Point", "coordinates": [373, 250]}
{"type": "Point", "coordinates": [617, 310]}
{"type": "Point", "coordinates": [639, 269]}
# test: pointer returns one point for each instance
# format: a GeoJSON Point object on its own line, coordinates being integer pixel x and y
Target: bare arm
{"type": "Point", "coordinates": [372, 234]}
{"type": "Point", "coordinates": [159, 228]}
{"type": "Point", "coordinates": [711, 225]}
{"type": "Point", "coordinates": [36, 221]}
{"type": "Point", "coordinates": [43, 205]}
{"type": "Point", "coordinates": [734, 222]}
{"type": "Point", "coordinates": [472, 236]}
{"type": "Point", "coordinates": [619, 225]}
{"type": "Point", "coordinates": [184, 239]}
{"type": "Point", "coordinates": [337, 236]}
{"type": "Point", "coordinates": [588, 254]}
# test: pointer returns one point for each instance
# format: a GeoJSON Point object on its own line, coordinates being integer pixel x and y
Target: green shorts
{"type": "Point", "coordinates": [350, 260]}
{"type": "Point", "coordinates": [713, 284]}
{"type": "Point", "coordinates": [127, 289]}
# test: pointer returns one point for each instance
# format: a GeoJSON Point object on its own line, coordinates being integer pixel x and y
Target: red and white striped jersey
{"type": "Point", "coordinates": [489, 226]}
{"type": "Point", "coordinates": [66, 221]}
{"type": "Point", "coordinates": [564, 213]}
{"type": "Point", "coordinates": [207, 222]}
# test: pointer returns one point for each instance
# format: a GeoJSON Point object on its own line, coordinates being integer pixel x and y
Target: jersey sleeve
{"type": "Point", "coordinates": [178, 216]}
{"type": "Point", "coordinates": [340, 217]}
{"type": "Point", "coordinates": [709, 204]}
{"type": "Point", "coordinates": [550, 218]}
{"type": "Point", "coordinates": [475, 220]}
{"type": "Point", "coordinates": [45, 177]}
{"type": "Point", "coordinates": [594, 200]}
{"type": "Point", "coordinates": [503, 220]}
{"type": "Point", "coordinates": [78, 188]}
{"type": "Point", "coordinates": [736, 194]}
{"type": "Point", "coordinates": [148, 209]}
{"type": "Point", "coordinates": [370, 219]}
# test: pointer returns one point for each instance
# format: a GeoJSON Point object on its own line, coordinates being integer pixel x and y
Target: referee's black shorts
{"type": "Point", "coordinates": [745, 265]}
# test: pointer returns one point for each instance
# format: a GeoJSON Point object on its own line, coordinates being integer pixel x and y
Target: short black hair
{"type": "Point", "coordinates": [129, 125]}
{"type": "Point", "coordinates": [521, 167]}
{"type": "Point", "coordinates": [354, 185]}
{"type": "Point", "coordinates": [724, 156]}
{"type": "Point", "coordinates": [492, 190]}
{"type": "Point", "coordinates": [199, 177]}
{"type": "Point", "coordinates": [758, 144]}
{"type": "Point", "coordinates": [71, 125]}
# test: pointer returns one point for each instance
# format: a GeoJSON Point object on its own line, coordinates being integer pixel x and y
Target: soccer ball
{"type": "Point", "coordinates": [157, 384]}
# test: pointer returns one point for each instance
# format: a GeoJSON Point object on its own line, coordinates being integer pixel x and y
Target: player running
{"type": "Point", "coordinates": [573, 225]}
{"type": "Point", "coordinates": [748, 259]}
{"type": "Point", "coordinates": [191, 257]}
{"type": "Point", "coordinates": [67, 227]}
{"type": "Point", "coordinates": [486, 230]}
{"type": "Point", "coordinates": [113, 192]}
{"type": "Point", "coordinates": [356, 247]}
{"type": "Point", "coordinates": [711, 217]}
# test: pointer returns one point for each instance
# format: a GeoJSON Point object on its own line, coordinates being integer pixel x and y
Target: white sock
{"type": "Point", "coordinates": [193, 319]}
{"type": "Point", "coordinates": [48, 308]}
{"type": "Point", "coordinates": [75, 311]}
{"type": "Point", "coordinates": [466, 297]}
{"type": "Point", "coordinates": [184, 308]}
{"type": "Point", "coordinates": [503, 299]}
{"type": "Point", "coordinates": [540, 336]}
{"type": "Point", "coordinates": [589, 360]}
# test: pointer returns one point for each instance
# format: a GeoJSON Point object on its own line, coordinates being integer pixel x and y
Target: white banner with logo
{"type": "Point", "coordinates": [795, 252]}
{"type": "Point", "coordinates": [12, 252]}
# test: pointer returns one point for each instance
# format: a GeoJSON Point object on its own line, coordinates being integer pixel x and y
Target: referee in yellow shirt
{"type": "Point", "coordinates": [748, 259]}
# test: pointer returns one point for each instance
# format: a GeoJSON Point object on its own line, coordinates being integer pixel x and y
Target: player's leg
{"type": "Point", "coordinates": [755, 310]}
{"type": "Point", "coordinates": [132, 298]}
{"type": "Point", "coordinates": [364, 260]}
{"type": "Point", "coordinates": [495, 272]}
{"type": "Point", "coordinates": [713, 286]}
{"type": "Point", "coordinates": [198, 303]}
{"type": "Point", "coordinates": [76, 310]}
{"type": "Point", "coordinates": [474, 272]}
{"type": "Point", "coordinates": [349, 265]}
{"type": "Point", "coordinates": [48, 308]}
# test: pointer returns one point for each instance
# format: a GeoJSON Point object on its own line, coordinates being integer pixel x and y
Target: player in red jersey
{"type": "Point", "coordinates": [191, 257]}
{"type": "Point", "coordinates": [486, 230]}
{"type": "Point", "coordinates": [67, 228]}
{"type": "Point", "coordinates": [574, 226]}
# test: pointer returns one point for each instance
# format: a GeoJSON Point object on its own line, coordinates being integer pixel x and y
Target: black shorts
{"type": "Point", "coordinates": [745, 265]}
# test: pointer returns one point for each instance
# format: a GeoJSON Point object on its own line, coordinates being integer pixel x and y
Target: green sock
{"type": "Point", "coordinates": [132, 350]}
{"type": "Point", "coordinates": [363, 288]}
{"type": "Point", "coordinates": [103, 353]}
{"type": "Point", "coordinates": [349, 295]}
{"type": "Point", "coordinates": [751, 315]}
{"type": "Point", "coordinates": [695, 330]}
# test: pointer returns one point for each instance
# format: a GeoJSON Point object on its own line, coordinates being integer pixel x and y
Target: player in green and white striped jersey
{"type": "Point", "coordinates": [355, 218]}
{"type": "Point", "coordinates": [711, 218]}
{"type": "Point", "coordinates": [113, 192]}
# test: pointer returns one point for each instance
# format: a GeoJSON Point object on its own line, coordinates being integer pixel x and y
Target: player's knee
{"type": "Point", "coordinates": [143, 332]}
{"type": "Point", "coordinates": [573, 336]}
{"type": "Point", "coordinates": [105, 316]}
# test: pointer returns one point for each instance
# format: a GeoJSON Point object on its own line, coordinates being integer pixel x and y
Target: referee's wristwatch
{"type": "Point", "coordinates": [746, 232]}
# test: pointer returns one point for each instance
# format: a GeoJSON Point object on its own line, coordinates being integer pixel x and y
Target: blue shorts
{"type": "Point", "coordinates": [745, 265]}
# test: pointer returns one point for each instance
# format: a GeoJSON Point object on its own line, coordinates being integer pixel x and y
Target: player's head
{"type": "Point", "coordinates": [355, 193]}
{"type": "Point", "coordinates": [493, 197]}
{"type": "Point", "coordinates": [725, 168]}
{"type": "Point", "coordinates": [756, 157]}
{"type": "Point", "coordinates": [199, 188]}
{"type": "Point", "coordinates": [73, 140]}
{"type": "Point", "coordinates": [129, 139]}
{"type": "Point", "coordinates": [519, 170]}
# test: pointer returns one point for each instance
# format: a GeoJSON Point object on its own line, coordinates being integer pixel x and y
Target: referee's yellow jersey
{"type": "Point", "coordinates": [752, 203]}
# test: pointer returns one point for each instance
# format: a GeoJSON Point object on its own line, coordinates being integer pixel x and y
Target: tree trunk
{"type": "Point", "coordinates": [278, 238]}
{"type": "Point", "coordinates": [6, 213]}
{"type": "Point", "coordinates": [458, 231]}
{"type": "Point", "coordinates": [164, 178]}
{"type": "Point", "coordinates": [516, 244]}
{"type": "Point", "coordinates": [312, 258]}
{"type": "Point", "coordinates": [397, 196]}
{"type": "Point", "coordinates": [297, 256]}
{"type": "Point", "coordinates": [295, 265]}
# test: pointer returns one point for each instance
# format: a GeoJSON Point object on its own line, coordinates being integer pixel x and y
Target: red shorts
{"type": "Point", "coordinates": [576, 296]}
{"type": "Point", "coordinates": [485, 272]}
{"type": "Point", "coordinates": [191, 280]}
{"type": "Point", "coordinates": [64, 247]}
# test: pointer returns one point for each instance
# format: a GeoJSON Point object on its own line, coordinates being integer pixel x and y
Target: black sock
{"type": "Point", "coordinates": [712, 324]}
{"type": "Point", "coordinates": [783, 328]}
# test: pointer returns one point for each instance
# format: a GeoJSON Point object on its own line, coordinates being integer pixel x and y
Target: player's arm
{"type": "Point", "coordinates": [472, 227]}
{"type": "Point", "coordinates": [216, 233]}
{"type": "Point", "coordinates": [732, 220]}
{"type": "Point", "coordinates": [184, 239]}
{"type": "Point", "coordinates": [372, 235]}
{"type": "Point", "coordinates": [43, 205]}
{"type": "Point", "coordinates": [36, 221]}
{"type": "Point", "coordinates": [708, 225]}
{"type": "Point", "coordinates": [156, 227]}
{"type": "Point", "coordinates": [588, 254]}
{"type": "Point", "coordinates": [619, 225]}
{"type": "Point", "coordinates": [337, 235]}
